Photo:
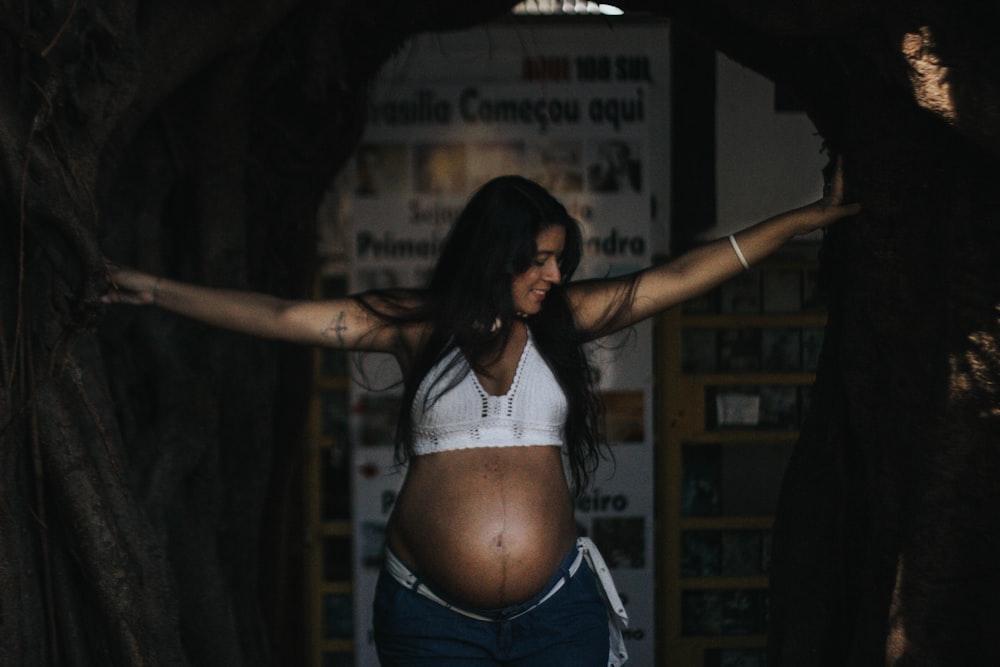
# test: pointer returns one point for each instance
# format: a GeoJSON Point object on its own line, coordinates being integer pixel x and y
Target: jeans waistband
{"type": "Point", "coordinates": [406, 578]}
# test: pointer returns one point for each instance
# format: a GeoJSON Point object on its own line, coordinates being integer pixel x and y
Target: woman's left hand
{"type": "Point", "coordinates": [831, 207]}
{"type": "Point", "coordinates": [129, 286]}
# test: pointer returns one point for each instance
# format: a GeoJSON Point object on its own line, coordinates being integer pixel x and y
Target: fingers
{"type": "Point", "coordinates": [833, 192]}
{"type": "Point", "coordinates": [117, 296]}
{"type": "Point", "coordinates": [128, 286]}
{"type": "Point", "coordinates": [851, 209]}
{"type": "Point", "coordinates": [833, 189]}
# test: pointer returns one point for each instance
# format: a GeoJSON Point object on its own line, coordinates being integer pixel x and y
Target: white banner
{"type": "Point", "coordinates": [427, 147]}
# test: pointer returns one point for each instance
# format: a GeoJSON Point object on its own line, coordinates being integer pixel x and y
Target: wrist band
{"type": "Point", "coordinates": [156, 289]}
{"type": "Point", "coordinates": [739, 253]}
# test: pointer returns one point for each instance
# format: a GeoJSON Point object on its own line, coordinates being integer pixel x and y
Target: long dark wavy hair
{"type": "Point", "coordinates": [469, 304]}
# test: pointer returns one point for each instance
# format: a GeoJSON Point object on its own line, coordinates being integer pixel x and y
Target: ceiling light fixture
{"type": "Point", "coordinates": [566, 7]}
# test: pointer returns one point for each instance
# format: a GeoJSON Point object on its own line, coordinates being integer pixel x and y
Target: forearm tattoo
{"type": "Point", "coordinates": [336, 327]}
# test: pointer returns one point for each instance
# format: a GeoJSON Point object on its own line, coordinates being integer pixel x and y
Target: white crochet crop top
{"type": "Point", "coordinates": [532, 412]}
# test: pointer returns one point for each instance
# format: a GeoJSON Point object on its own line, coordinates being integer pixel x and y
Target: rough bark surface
{"type": "Point", "coordinates": [887, 534]}
{"type": "Point", "coordinates": [139, 453]}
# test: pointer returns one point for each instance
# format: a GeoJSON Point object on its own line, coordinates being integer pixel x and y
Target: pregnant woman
{"type": "Point", "coordinates": [499, 419]}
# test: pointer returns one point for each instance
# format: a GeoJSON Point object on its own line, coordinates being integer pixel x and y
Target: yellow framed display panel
{"type": "Point", "coordinates": [328, 609]}
{"type": "Point", "coordinates": [693, 427]}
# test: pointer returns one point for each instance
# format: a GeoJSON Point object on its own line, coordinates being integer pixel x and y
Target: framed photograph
{"type": "Point", "coordinates": [699, 348]}
{"type": "Point", "coordinates": [781, 290]}
{"type": "Point", "coordinates": [440, 168]}
{"type": "Point", "coordinates": [739, 350]}
{"type": "Point", "coordinates": [723, 613]}
{"type": "Point", "coordinates": [812, 344]}
{"type": "Point", "coordinates": [701, 613]}
{"type": "Point", "coordinates": [741, 553]}
{"type": "Point", "coordinates": [779, 407]}
{"type": "Point", "coordinates": [742, 293]}
{"type": "Point", "coordinates": [615, 166]}
{"type": "Point", "coordinates": [743, 612]}
{"type": "Point", "coordinates": [700, 481]}
{"type": "Point", "coordinates": [782, 350]}
{"type": "Point", "coordinates": [624, 420]}
{"type": "Point", "coordinates": [734, 407]}
{"type": "Point", "coordinates": [556, 165]}
{"type": "Point", "coordinates": [701, 553]}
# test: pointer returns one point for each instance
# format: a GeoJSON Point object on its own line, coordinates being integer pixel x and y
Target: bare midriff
{"type": "Point", "coordinates": [487, 527]}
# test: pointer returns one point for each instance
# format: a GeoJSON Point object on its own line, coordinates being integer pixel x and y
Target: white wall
{"type": "Point", "coordinates": [766, 161]}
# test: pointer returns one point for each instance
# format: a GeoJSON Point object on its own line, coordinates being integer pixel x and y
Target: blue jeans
{"type": "Point", "coordinates": [570, 629]}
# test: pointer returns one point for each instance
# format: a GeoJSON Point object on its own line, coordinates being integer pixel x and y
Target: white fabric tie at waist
{"type": "Point", "coordinates": [586, 549]}
{"type": "Point", "coordinates": [407, 579]}
{"type": "Point", "coordinates": [617, 617]}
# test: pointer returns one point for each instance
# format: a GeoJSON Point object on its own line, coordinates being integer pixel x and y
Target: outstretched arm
{"type": "Point", "coordinates": [702, 268]}
{"type": "Point", "coordinates": [339, 323]}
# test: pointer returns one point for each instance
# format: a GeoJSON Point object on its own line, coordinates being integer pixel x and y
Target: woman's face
{"type": "Point", "coordinates": [528, 289]}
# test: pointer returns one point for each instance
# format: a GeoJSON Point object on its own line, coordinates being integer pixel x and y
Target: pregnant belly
{"type": "Point", "coordinates": [486, 527]}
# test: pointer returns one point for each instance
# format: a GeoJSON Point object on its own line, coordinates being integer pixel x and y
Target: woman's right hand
{"type": "Point", "coordinates": [342, 323]}
{"type": "Point", "coordinates": [830, 208]}
{"type": "Point", "coordinates": [129, 286]}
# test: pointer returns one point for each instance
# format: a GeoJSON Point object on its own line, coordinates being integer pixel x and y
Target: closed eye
{"type": "Point", "coordinates": [541, 259]}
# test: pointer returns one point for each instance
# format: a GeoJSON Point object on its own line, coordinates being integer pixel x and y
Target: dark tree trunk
{"type": "Point", "coordinates": [887, 535]}
{"type": "Point", "coordinates": [140, 453]}
{"type": "Point", "coordinates": [899, 538]}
